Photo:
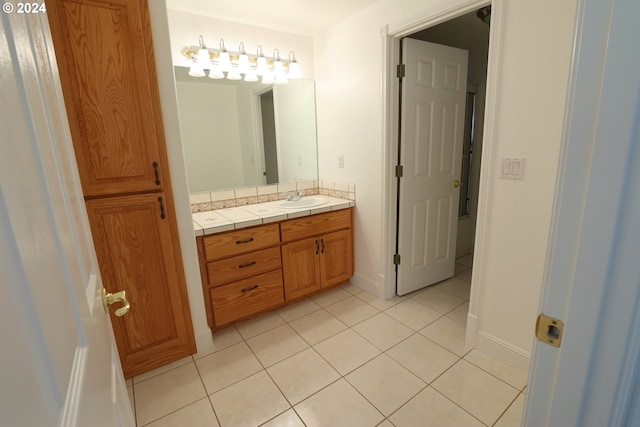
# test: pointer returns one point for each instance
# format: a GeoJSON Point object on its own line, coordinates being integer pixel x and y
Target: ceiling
{"type": "Point", "coordinates": [303, 17]}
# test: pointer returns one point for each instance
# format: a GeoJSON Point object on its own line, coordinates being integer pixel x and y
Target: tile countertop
{"type": "Point", "coordinates": [220, 220]}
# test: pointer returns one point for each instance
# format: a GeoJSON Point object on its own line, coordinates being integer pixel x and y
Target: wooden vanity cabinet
{"type": "Point", "coordinates": [320, 261]}
{"type": "Point", "coordinates": [253, 270]}
{"type": "Point", "coordinates": [241, 272]}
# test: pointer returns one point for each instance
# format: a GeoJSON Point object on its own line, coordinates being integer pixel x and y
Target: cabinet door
{"type": "Point", "coordinates": [107, 70]}
{"type": "Point", "coordinates": [301, 268]}
{"type": "Point", "coordinates": [137, 253]}
{"type": "Point", "coordinates": [336, 257]}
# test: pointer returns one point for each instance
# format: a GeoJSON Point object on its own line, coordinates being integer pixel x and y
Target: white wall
{"type": "Point", "coordinates": [533, 68]}
{"type": "Point", "coordinates": [529, 119]}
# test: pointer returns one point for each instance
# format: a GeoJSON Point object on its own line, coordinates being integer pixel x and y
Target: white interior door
{"type": "Point", "coordinates": [592, 274]}
{"type": "Point", "coordinates": [432, 132]}
{"type": "Point", "coordinates": [59, 362]}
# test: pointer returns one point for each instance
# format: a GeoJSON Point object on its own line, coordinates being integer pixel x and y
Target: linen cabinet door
{"type": "Point", "coordinates": [106, 62]}
{"type": "Point", "coordinates": [301, 268]}
{"type": "Point", "coordinates": [336, 260]}
{"type": "Point", "coordinates": [137, 253]}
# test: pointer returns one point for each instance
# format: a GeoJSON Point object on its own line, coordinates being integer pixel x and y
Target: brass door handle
{"type": "Point", "coordinates": [455, 184]}
{"type": "Point", "coordinates": [108, 299]}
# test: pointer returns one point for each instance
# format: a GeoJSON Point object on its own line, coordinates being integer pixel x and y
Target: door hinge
{"type": "Point", "coordinates": [396, 259]}
{"type": "Point", "coordinates": [549, 330]}
{"type": "Point", "coordinates": [400, 71]}
{"type": "Point", "coordinates": [399, 171]}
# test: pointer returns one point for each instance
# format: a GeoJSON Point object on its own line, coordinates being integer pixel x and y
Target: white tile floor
{"type": "Point", "coordinates": [341, 358]}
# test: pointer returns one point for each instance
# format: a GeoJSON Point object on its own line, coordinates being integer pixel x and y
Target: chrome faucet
{"type": "Point", "coordinates": [294, 196]}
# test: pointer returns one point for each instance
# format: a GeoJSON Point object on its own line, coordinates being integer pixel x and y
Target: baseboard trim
{"type": "Point", "coordinates": [503, 351]}
{"type": "Point", "coordinates": [496, 347]}
{"type": "Point", "coordinates": [367, 284]}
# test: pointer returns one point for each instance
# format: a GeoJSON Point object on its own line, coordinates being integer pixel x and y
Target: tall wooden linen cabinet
{"type": "Point", "coordinates": [106, 62]}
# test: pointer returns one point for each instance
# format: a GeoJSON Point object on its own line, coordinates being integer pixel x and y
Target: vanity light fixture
{"type": "Point", "coordinates": [261, 63]}
{"type": "Point", "coordinates": [224, 59]}
{"type": "Point", "coordinates": [278, 69]}
{"type": "Point", "coordinates": [201, 61]}
{"type": "Point", "coordinates": [243, 60]}
{"type": "Point", "coordinates": [294, 67]}
{"type": "Point", "coordinates": [238, 65]}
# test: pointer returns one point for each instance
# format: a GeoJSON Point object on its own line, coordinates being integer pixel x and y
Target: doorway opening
{"type": "Point", "coordinates": [269, 140]}
{"type": "Point", "coordinates": [427, 262]}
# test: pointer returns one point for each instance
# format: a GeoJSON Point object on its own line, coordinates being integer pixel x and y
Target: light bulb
{"type": "Point", "coordinates": [268, 78]}
{"type": "Point", "coordinates": [278, 68]}
{"type": "Point", "coordinates": [196, 71]}
{"type": "Point", "coordinates": [261, 67]}
{"type": "Point", "coordinates": [294, 67]}
{"type": "Point", "coordinates": [216, 72]}
{"type": "Point", "coordinates": [294, 70]}
{"type": "Point", "coordinates": [224, 61]}
{"type": "Point", "coordinates": [251, 76]}
{"type": "Point", "coordinates": [234, 74]}
{"type": "Point", "coordinates": [204, 60]}
{"type": "Point", "coordinates": [243, 60]}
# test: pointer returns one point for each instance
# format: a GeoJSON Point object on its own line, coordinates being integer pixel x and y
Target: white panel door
{"type": "Point", "coordinates": [432, 132]}
{"type": "Point", "coordinates": [592, 273]}
{"type": "Point", "coordinates": [59, 365]}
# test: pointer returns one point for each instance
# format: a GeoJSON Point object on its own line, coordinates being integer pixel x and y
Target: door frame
{"type": "Point", "coordinates": [391, 35]}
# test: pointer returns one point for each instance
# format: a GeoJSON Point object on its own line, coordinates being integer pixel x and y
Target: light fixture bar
{"type": "Point", "coordinates": [240, 63]}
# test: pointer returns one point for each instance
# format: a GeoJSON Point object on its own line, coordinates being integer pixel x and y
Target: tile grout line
{"type": "Point", "coordinates": [340, 375]}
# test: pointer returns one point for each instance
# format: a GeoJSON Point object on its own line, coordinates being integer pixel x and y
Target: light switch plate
{"type": "Point", "coordinates": [512, 168]}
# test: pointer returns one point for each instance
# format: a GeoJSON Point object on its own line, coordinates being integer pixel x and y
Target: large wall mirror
{"type": "Point", "coordinates": [240, 134]}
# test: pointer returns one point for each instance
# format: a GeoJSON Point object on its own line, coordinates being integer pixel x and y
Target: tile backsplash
{"type": "Point", "coordinates": [208, 201]}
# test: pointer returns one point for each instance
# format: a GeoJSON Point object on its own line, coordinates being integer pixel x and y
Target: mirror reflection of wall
{"type": "Point", "coordinates": [225, 138]}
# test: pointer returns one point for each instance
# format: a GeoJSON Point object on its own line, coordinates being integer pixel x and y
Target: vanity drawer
{"type": "Point", "coordinates": [242, 266]}
{"type": "Point", "coordinates": [314, 225]}
{"type": "Point", "coordinates": [239, 241]}
{"type": "Point", "coordinates": [246, 297]}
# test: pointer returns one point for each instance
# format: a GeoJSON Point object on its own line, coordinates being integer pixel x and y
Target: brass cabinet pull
{"type": "Point", "coordinates": [162, 215]}
{"type": "Point", "coordinates": [455, 184]}
{"type": "Point", "coordinates": [249, 264]}
{"type": "Point", "coordinates": [239, 242]}
{"type": "Point", "coordinates": [155, 169]}
{"type": "Point", "coordinates": [249, 289]}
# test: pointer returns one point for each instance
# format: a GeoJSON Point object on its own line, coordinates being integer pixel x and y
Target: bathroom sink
{"type": "Point", "coordinates": [306, 202]}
